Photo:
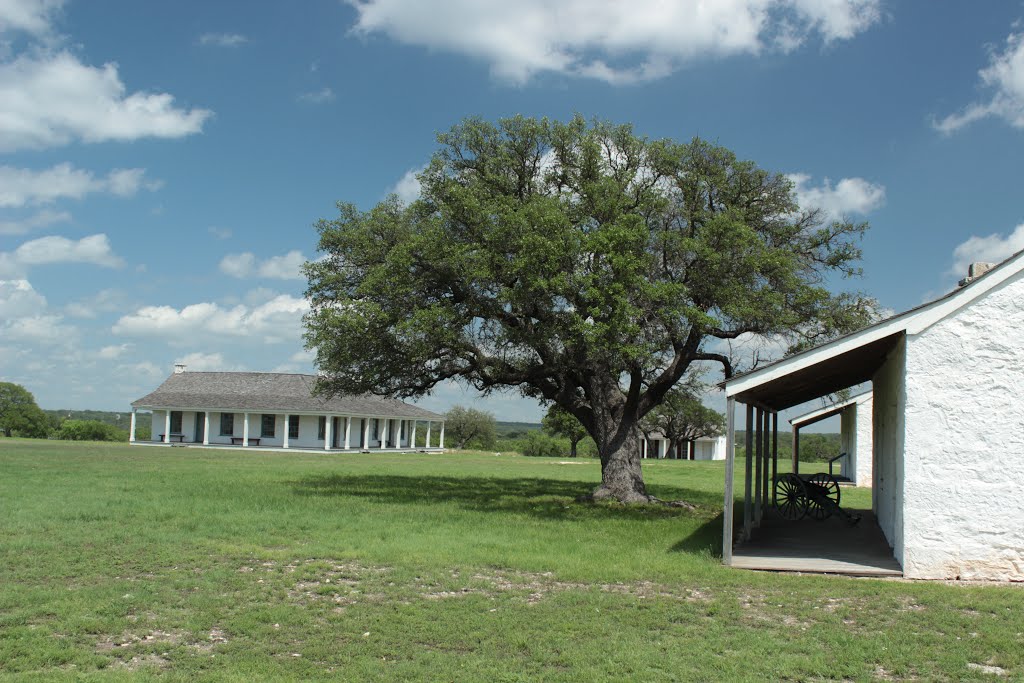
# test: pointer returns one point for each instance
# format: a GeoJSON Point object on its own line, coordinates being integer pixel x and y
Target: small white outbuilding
{"type": "Point", "coordinates": [948, 426]}
{"type": "Point", "coordinates": [855, 443]}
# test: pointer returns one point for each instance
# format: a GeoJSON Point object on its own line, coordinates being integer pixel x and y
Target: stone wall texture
{"type": "Point", "coordinates": [964, 442]}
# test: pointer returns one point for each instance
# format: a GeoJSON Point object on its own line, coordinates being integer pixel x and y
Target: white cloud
{"type": "Point", "coordinates": [320, 96]}
{"type": "Point", "coordinates": [285, 267]}
{"type": "Point", "coordinates": [408, 186]}
{"type": "Point", "coordinates": [277, 320]}
{"type": "Point", "coordinates": [1004, 75]}
{"type": "Point", "coordinates": [93, 249]}
{"type": "Point", "coordinates": [992, 248]}
{"type": "Point", "coordinates": [610, 40]}
{"type": "Point", "coordinates": [849, 195]}
{"type": "Point", "coordinates": [223, 39]}
{"type": "Point", "coordinates": [30, 16]}
{"type": "Point", "coordinates": [18, 298]}
{"type": "Point", "coordinates": [113, 352]}
{"type": "Point", "coordinates": [104, 301]}
{"type": "Point", "coordinates": [40, 219]}
{"type": "Point", "coordinates": [40, 329]}
{"type": "Point", "coordinates": [198, 362]}
{"type": "Point", "coordinates": [50, 99]}
{"type": "Point", "coordinates": [25, 187]}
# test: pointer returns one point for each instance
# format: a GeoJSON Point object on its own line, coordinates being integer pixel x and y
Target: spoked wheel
{"type": "Point", "coordinates": [790, 497]}
{"type": "Point", "coordinates": [823, 495]}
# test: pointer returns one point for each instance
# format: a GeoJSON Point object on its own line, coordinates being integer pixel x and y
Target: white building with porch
{"type": "Point", "coordinates": [655, 445]}
{"type": "Point", "coordinates": [947, 442]}
{"type": "Point", "coordinates": [277, 410]}
{"type": "Point", "coordinates": [855, 443]}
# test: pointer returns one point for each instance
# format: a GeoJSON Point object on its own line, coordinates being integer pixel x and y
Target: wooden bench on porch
{"type": "Point", "coordinates": [180, 438]}
{"type": "Point", "coordinates": [237, 440]}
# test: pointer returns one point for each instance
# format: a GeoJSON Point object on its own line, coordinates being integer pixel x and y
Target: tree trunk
{"type": "Point", "coordinates": [621, 477]}
{"type": "Point", "coordinates": [572, 448]}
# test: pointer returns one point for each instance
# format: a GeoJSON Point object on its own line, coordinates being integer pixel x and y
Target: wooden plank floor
{"type": "Point", "coordinates": [830, 546]}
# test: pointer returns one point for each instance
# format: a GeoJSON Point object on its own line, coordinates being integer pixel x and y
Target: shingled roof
{"type": "Point", "coordinates": [270, 392]}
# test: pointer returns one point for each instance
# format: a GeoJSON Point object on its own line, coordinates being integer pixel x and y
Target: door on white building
{"type": "Point", "coordinates": [199, 434]}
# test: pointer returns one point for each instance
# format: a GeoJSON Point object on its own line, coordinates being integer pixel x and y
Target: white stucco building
{"type": "Point", "coordinates": [704, 448]}
{"type": "Point", "coordinates": [948, 427]}
{"type": "Point", "coordinates": [264, 409]}
{"type": "Point", "coordinates": [855, 441]}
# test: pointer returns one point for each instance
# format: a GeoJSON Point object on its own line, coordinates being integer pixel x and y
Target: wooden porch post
{"type": "Point", "coordinates": [412, 435]}
{"type": "Point", "coordinates": [383, 433]}
{"type": "Point", "coordinates": [245, 430]}
{"type": "Point", "coordinates": [284, 436]}
{"type": "Point", "coordinates": [327, 432]}
{"type": "Point", "coordinates": [767, 453]}
{"type": "Point", "coordinates": [348, 431]}
{"type": "Point", "coordinates": [131, 431]}
{"type": "Point", "coordinates": [366, 434]}
{"type": "Point", "coordinates": [206, 428]}
{"type": "Point", "coordinates": [429, 425]}
{"type": "Point", "coordinates": [775, 450]}
{"type": "Point", "coordinates": [759, 456]}
{"type": "Point", "coordinates": [167, 426]}
{"type": "Point", "coordinates": [440, 437]}
{"type": "Point", "coordinates": [748, 473]}
{"type": "Point", "coordinates": [730, 460]}
{"type": "Point", "coordinates": [796, 449]}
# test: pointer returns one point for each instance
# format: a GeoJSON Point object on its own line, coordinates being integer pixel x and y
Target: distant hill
{"type": "Point", "coordinates": [511, 430]}
{"type": "Point", "coordinates": [121, 420]}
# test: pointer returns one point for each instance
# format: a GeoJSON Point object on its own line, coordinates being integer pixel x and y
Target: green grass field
{"type": "Point", "coordinates": [180, 564]}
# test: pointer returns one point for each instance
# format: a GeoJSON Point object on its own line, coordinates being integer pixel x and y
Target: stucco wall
{"type": "Point", "coordinates": [965, 442]}
{"type": "Point", "coordinates": [864, 455]}
{"type": "Point", "coordinates": [888, 438]}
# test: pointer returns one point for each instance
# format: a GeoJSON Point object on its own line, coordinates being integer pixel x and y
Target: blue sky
{"type": "Point", "coordinates": [162, 164]}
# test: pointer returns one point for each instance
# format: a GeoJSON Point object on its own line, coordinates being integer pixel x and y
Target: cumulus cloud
{"type": "Point", "coordinates": [25, 187]}
{"type": "Point", "coordinates": [992, 248]}
{"type": "Point", "coordinates": [29, 16]}
{"type": "Point", "coordinates": [849, 195]}
{"type": "Point", "coordinates": [277, 320]}
{"type": "Point", "coordinates": [198, 362]}
{"type": "Point", "coordinates": [51, 99]}
{"type": "Point", "coordinates": [1004, 75]}
{"type": "Point", "coordinates": [18, 298]}
{"type": "Point", "coordinates": [93, 249]}
{"type": "Point", "coordinates": [408, 186]}
{"type": "Point", "coordinates": [223, 39]}
{"type": "Point", "coordinates": [113, 352]}
{"type": "Point", "coordinates": [40, 329]}
{"type": "Point", "coordinates": [285, 267]}
{"type": "Point", "coordinates": [40, 219]}
{"type": "Point", "coordinates": [320, 96]}
{"type": "Point", "coordinates": [610, 40]}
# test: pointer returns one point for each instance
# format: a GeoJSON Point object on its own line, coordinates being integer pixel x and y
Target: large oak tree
{"type": "Point", "coordinates": [577, 263]}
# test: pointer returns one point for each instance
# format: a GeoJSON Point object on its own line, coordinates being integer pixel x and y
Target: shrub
{"type": "Point", "coordinates": [89, 430]}
{"type": "Point", "coordinates": [538, 444]}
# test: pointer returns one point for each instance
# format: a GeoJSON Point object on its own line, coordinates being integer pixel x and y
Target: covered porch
{"type": "Point", "coordinates": [755, 535]}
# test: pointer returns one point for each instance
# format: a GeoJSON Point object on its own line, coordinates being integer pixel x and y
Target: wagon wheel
{"type": "Point", "coordinates": [790, 497]}
{"type": "Point", "coordinates": [823, 490]}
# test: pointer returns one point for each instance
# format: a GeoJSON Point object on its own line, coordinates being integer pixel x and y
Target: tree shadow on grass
{"type": "Point", "coordinates": [707, 538]}
{"type": "Point", "coordinates": [545, 498]}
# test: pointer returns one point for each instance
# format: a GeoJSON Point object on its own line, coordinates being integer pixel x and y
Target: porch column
{"type": "Point", "coordinates": [131, 430]}
{"type": "Point", "coordinates": [730, 460]}
{"type": "Point", "coordinates": [366, 434]}
{"type": "Point", "coordinates": [284, 437]}
{"type": "Point", "coordinates": [412, 435]}
{"type": "Point", "coordinates": [348, 431]}
{"type": "Point", "coordinates": [775, 450]}
{"type": "Point", "coordinates": [167, 426]}
{"type": "Point", "coordinates": [245, 430]}
{"type": "Point", "coordinates": [796, 450]}
{"type": "Point", "coordinates": [206, 428]}
{"type": "Point", "coordinates": [643, 448]}
{"type": "Point", "coordinates": [765, 486]}
{"type": "Point", "coordinates": [758, 455]}
{"type": "Point", "coordinates": [327, 432]}
{"type": "Point", "coordinates": [384, 434]}
{"type": "Point", "coordinates": [748, 472]}
{"type": "Point", "coordinates": [441, 437]}
{"type": "Point", "coordinates": [429, 425]}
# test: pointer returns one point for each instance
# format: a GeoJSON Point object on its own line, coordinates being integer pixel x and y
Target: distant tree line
{"type": "Point", "coordinates": [20, 416]}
